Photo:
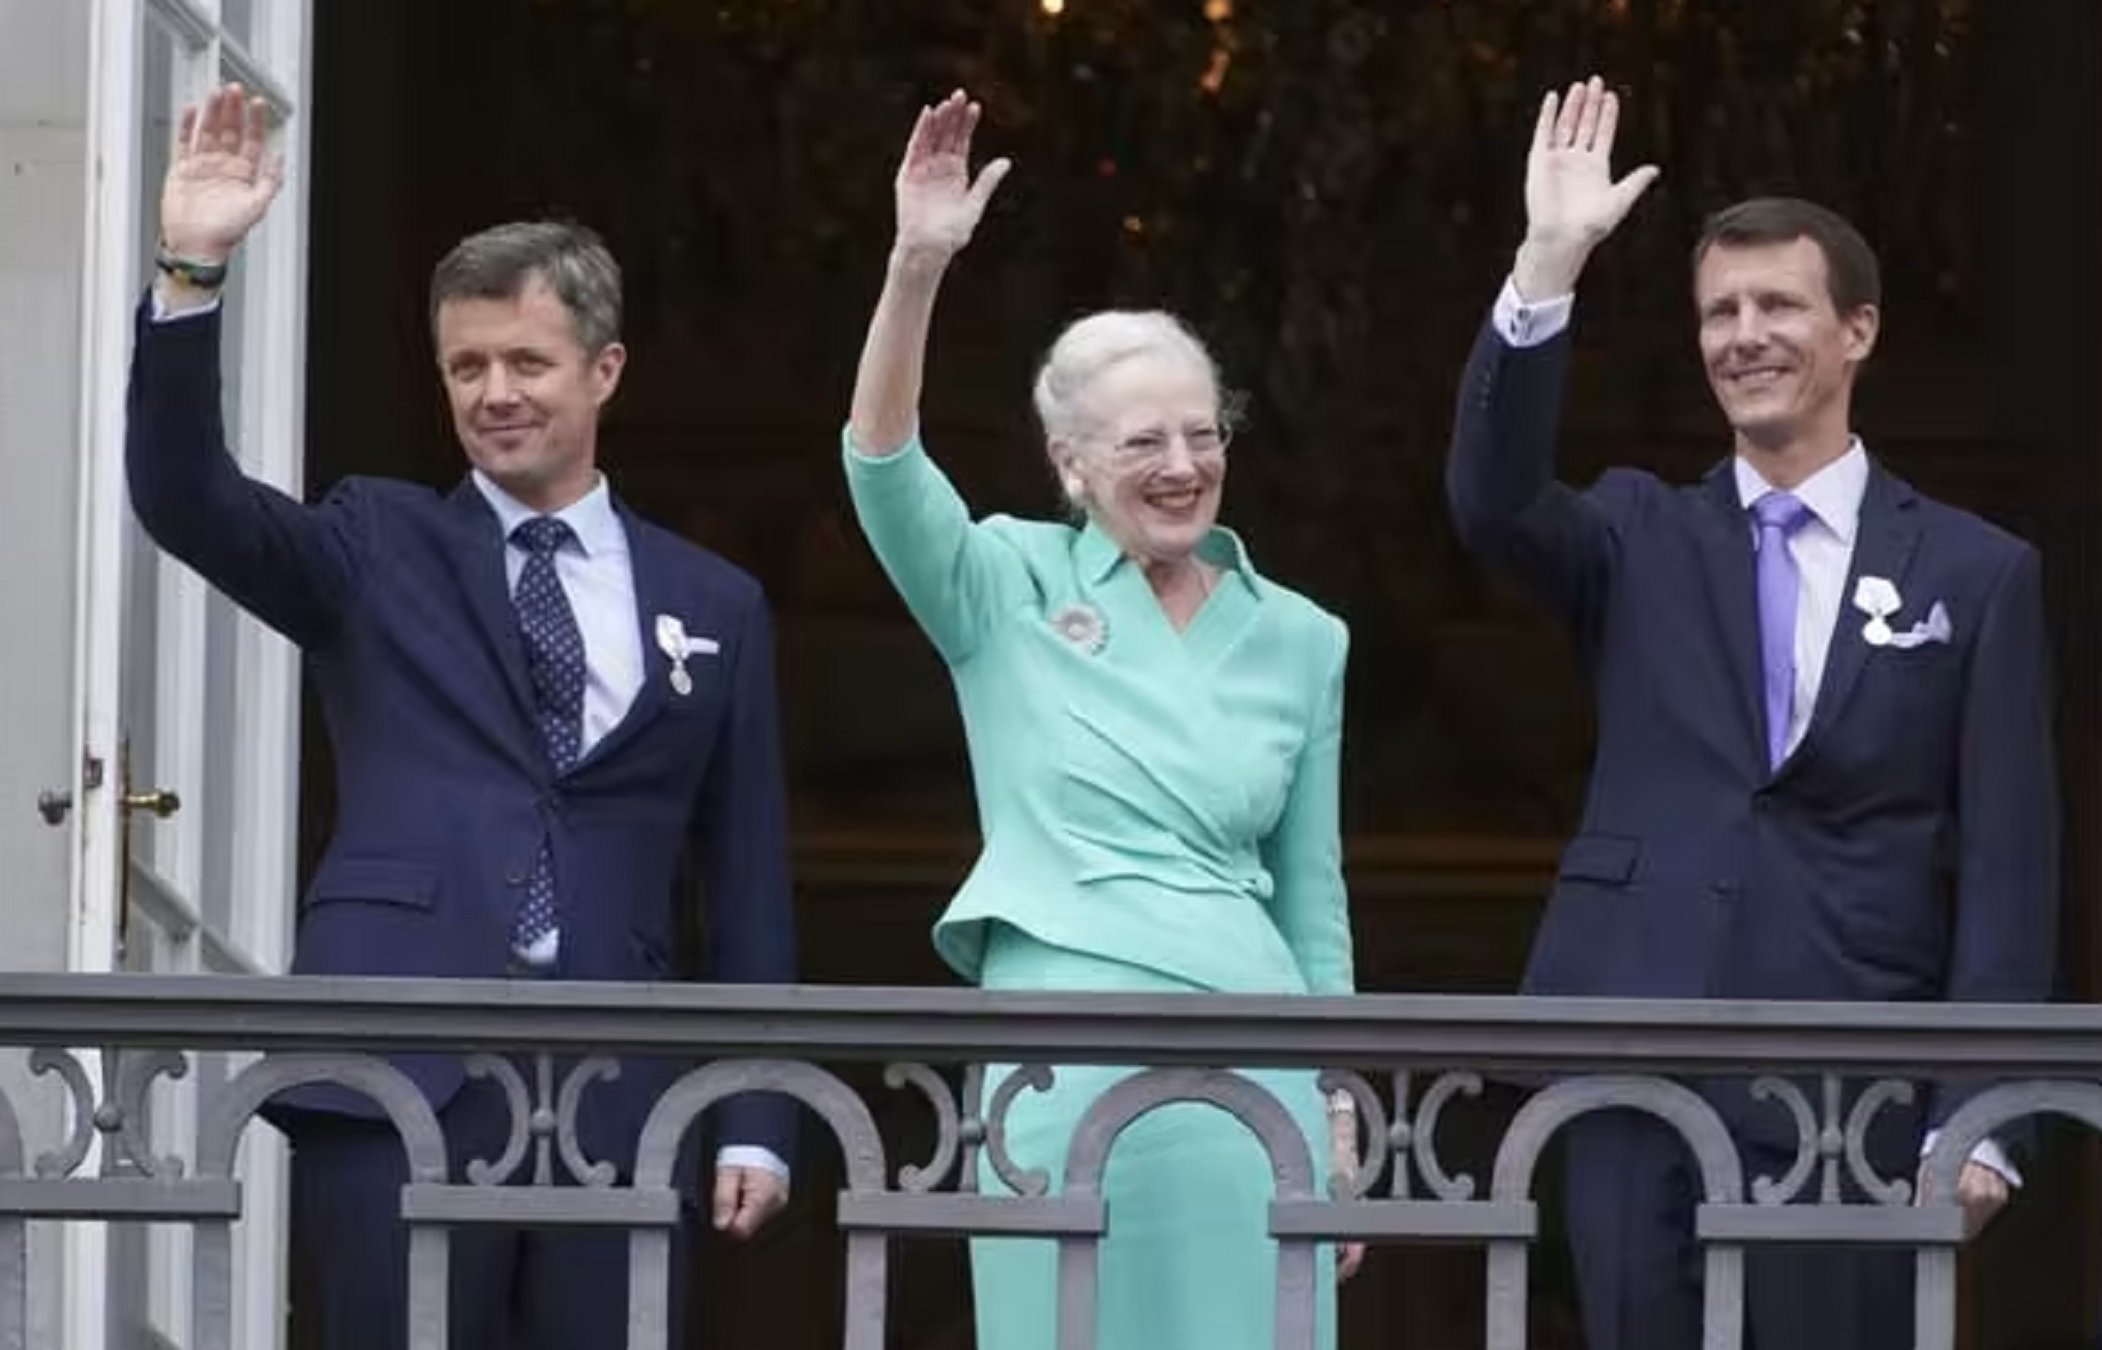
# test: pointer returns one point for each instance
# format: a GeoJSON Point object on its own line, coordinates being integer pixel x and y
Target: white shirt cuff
{"type": "Point", "coordinates": [162, 314]}
{"type": "Point", "coordinates": [1528, 323]}
{"type": "Point", "coordinates": [1987, 1154]}
{"type": "Point", "coordinates": [751, 1155]}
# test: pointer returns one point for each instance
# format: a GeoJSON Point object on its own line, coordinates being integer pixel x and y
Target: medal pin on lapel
{"type": "Point", "coordinates": [1879, 599]}
{"type": "Point", "coordinates": [672, 641]}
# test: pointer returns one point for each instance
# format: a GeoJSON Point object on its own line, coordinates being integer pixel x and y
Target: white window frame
{"type": "Point", "coordinates": [258, 814]}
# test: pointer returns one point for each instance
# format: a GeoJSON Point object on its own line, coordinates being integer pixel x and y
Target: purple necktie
{"type": "Point", "coordinates": [1779, 515]}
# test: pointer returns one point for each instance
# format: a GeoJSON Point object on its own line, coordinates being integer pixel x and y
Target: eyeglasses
{"type": "Point", "coordinates": [1203, 442]}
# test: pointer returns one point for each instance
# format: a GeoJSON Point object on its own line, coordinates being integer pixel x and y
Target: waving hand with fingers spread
{"type": "Point", "coordinates": [938, 203]}
{"type": "Point", "coordinates": [221, 179]}
{"type": "Point", "coordinates": [939, 206]}
{"type": "Point", "coordinates": [1571, 200]}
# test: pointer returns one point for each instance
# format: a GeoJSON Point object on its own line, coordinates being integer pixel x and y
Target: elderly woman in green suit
{"type": "Point", "coordinates": [1155, 733]}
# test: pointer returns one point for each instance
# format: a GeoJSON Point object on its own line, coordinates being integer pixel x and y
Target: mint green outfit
{"type": "Point", "coordinates": [1159, 812]}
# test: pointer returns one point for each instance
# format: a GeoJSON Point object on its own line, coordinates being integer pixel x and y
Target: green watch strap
{"type": "Point", "coordinates": [203, 275]}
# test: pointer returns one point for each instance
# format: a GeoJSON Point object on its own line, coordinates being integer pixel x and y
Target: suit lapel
{"type": "Point", "coordinates": [478, 553]}
{"type": "Point", "coordinates": [1883, 547]}
{"type": "Point", "coordinates": [652, 571]}
{"type": "Point", "coordinates": [1733, 589]}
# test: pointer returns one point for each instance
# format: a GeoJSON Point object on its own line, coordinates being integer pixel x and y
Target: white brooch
{"type": "Point", "coordinates": [1082, 626]}
{"type": "Point", "coordinates": [674, 642]}
{"type": "Point", "coordinates": [1877, 598]}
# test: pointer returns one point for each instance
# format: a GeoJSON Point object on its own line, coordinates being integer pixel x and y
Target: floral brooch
{"type": "Point", "coordinates": [1081, 625]}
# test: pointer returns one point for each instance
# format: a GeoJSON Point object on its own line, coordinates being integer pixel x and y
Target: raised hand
{"type": "Point", "coordinates": [1571, 200]}
{"type": "Point", "coordinates": [938, 204]}
{"type": "Point", "coordinates": [220, 179]}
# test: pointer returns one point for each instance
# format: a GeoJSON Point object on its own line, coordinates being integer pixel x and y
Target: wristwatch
{"type": "Point", "coordinates": [203, 275]}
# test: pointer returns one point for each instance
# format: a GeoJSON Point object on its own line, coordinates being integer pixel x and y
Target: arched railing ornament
{"type": "Point", "coordinates": [1087, 1156]}
{"type": "Point", "coordinates": [1934, 1279]}
{"type": "Point", "coordinates": [225, 1117]}
{"type": "Point", "coordinates": [916, 1179]}
{"type": "Point", "coordinates": [656, 1157]}
{"type": "Point", "coordinates": [1882, 1093]}
{"type": "Point", "coordinates": [1031, 1182]}
{"type": "Point", "coordinates": [1715, 1161]}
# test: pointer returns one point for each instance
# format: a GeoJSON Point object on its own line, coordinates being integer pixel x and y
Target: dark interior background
{"type": "Point", "coordinates": [1329, 191]}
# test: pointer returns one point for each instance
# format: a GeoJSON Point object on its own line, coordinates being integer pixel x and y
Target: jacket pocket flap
{"type": "Point", "coordinates": [387, 881]}
{"type": "Point", "coordinates": [1609, 858]}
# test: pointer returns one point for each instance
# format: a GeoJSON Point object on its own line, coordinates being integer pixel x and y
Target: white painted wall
{"type": "Point", "coordinates": [43, 193]}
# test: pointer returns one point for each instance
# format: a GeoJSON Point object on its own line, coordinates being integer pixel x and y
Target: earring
{"type": "Point", "coordinates": [1073, 488]}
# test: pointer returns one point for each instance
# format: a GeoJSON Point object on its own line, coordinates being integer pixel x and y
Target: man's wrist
{"type": "Point", "coordinates": [1547, 269]}
{"type": "Point", "coordinates": [177, 297]}
{"type": "Point", "coordinates": [199, 266]}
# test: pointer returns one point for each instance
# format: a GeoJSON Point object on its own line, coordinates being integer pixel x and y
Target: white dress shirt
{"type": "Point", "coordinates": [1823, 549]}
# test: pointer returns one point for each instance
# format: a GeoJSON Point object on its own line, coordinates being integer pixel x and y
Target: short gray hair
{"type": "Point", "coordinates": [497, 263]}
{"type": "Point", "coordinates": [1092, 344]}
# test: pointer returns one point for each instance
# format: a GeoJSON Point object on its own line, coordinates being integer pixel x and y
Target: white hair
{"type": "Point", "coordinates": [1092, 344]}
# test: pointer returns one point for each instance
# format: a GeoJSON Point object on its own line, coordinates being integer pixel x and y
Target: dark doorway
{"type": "Point", "coordinates": [1329, 190]}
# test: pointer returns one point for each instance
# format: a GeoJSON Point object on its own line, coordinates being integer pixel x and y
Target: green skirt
{"type": "Point", "coordinates": [1188, 1263]}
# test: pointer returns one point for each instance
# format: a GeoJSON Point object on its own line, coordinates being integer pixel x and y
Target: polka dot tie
{"type": "Point", "coordinates": [555, 659]}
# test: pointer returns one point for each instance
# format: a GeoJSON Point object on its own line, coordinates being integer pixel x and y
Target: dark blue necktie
{"type": "Point", "coordinates": [555, 659]}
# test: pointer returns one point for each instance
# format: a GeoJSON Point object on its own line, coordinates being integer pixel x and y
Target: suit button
{"type": "Point", "coordinates": [1724, 890]}
{"type": "Point", "coordinates": [515, 878]}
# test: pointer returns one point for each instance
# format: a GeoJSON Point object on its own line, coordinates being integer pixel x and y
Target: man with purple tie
{"type": "Point", "coordinates": [1824, 766]}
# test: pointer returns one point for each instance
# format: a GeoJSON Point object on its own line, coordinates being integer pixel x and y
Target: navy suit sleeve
{"type": "Point", "coordinates": [2006, 919]}
{"type": "Point", "coordinates": [741, 831]}
{"type": "Point", "coordinates": [1500, 483]}
{"type": "Point", "coordinates": [2004, 938]}
{"type": "Point", "coordinates": [289, 564]}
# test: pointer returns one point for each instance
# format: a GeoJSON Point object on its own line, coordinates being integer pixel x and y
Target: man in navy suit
{"type": "Point", "coordinates": [538, 703]}
{"type": "Point", "coordinates": [1824, 766]}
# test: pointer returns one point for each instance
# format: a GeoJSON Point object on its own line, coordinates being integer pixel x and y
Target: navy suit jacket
{"type": "Point", "coordinates": [1906, 850]}
{"type": "Point", "coordinates": [397, 595]}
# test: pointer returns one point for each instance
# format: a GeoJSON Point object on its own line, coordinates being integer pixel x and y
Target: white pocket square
{"type": "Point", "coordinates": [1934, 628]}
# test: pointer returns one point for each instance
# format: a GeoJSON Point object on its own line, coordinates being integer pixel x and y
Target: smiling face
{"type": "Point", "coordinates": [525, 393]}
{"type": "Point", "coordinates": [1779, 354]}
{"type": "Point", "coordinates": [1151, 463]}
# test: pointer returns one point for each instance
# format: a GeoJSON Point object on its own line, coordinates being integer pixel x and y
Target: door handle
{"type": "Point", "coordinates": [161, 802]}
{"type": "Point", "coordinates": [53, 804]}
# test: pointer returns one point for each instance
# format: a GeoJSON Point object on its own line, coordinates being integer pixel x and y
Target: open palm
{"type": "Point", "coordinates": [220, 178]}
{"type": "Point", "coordinates": [1570, 195]}
{"type": "Point", "coordinates": [938, 204]}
